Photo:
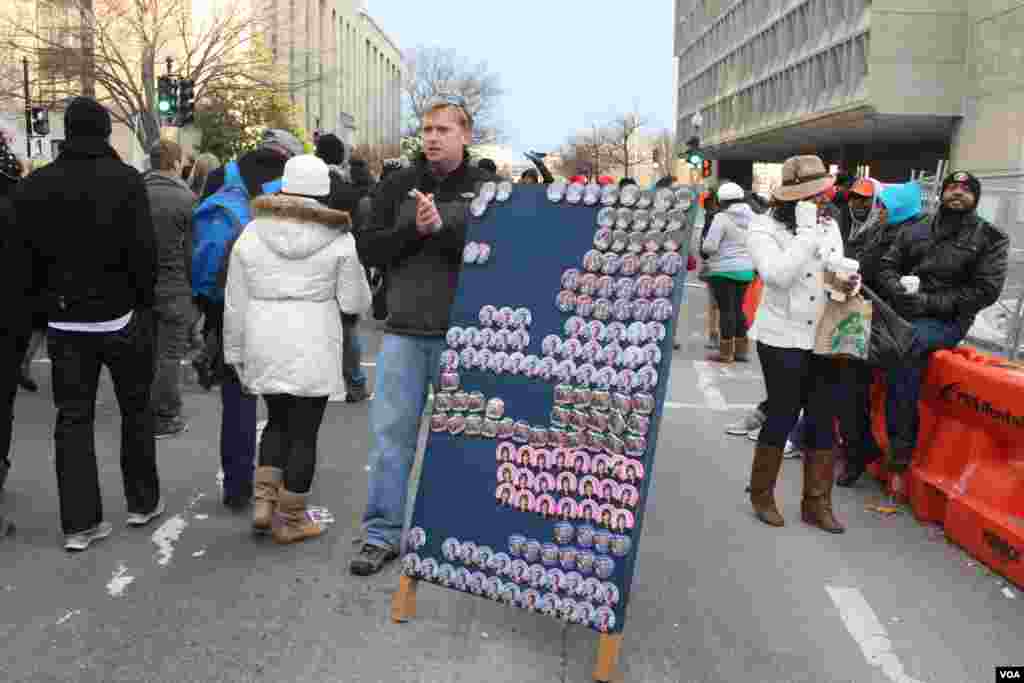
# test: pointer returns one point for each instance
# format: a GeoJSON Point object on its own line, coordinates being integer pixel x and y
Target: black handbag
{"type": "Point", "coordinates": [891, 335]}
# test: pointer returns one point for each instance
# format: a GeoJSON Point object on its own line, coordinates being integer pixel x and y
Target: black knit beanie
{"type": "Point", "coordinates": [331, 149]}
{"type": "Point", "coordinates": [87, 118]}
{"type": "Point", "coordinates": [967, 179]}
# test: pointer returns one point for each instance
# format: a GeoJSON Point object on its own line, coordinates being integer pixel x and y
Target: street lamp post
{"type": "Point", "coordinates": [28, 111]}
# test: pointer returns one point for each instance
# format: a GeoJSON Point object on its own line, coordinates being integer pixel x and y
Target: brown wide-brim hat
{"type": "Point", "coordinates": [803, 177]}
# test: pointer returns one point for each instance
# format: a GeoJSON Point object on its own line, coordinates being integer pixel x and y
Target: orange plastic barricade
{"type": "Point", "coordinates": [968, 469]}
{"type": "Point", "coordinates": [752, 299]}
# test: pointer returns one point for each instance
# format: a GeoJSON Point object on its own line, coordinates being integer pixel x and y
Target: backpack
{"type": "Point", "coordinates": [216, 223]}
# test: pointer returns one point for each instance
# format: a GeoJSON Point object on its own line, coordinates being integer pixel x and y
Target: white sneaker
{"type": "Point", "coordinates": [84, 539]}
{"type": "Point", "coordinates": [791, 450]}
{"type": "Point", "coordinates": [754, 434]}
{"type": "Point", "coordinates": [745, 424]}
{"type": "Point", "coordinates": [142, 519]}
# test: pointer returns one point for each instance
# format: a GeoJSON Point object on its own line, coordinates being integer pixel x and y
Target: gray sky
{"type": "Point", "coordinates": [563, 65]}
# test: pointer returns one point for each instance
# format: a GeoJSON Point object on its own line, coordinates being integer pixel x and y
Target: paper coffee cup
{"type": "Point", "coordinates": [911, 283]}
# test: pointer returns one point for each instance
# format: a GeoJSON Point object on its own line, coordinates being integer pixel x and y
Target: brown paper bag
{"type": "Point", "coordinates": [845, 329]}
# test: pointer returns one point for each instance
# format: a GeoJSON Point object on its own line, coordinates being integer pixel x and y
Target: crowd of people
{"type": "Point", "coordinates": [936, 271]}
{"type": "Point", "coordinates": [274, 253]}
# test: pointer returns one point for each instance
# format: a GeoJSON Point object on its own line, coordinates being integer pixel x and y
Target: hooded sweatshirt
{"type": "Point", "coordinates": [869, 244]}
{"type": "Point", "coordinates": [726, 244]}
{"type": "Point", "coordinates": [170, 204]}
{"type": "Point", "coordinates": [292, 269]}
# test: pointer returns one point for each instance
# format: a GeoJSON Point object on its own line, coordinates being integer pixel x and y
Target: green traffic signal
{"type": "Point", "coordinates": [695, 158]}
{"type": "Point", "coordinates": [165, 106]}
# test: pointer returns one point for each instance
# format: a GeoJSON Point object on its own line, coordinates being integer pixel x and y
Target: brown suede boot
{"type": "Point", "coordinates": [266, 485]}
{"type": "Point", "coordinates": [291, 523]}
{"type": "Point", "coordinates": [742, 345]}
{"type": "Point", "coordinates": [726, 352]}
{"type": "Point", "coordinates": [816, 506]}
{"type": "Point", "coordinates": [763, 475]}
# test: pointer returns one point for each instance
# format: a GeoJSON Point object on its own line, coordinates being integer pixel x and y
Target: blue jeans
{"type": "Point", "coordinates": [239, 413]}
{"type": "Point", "coordinates": [903, 382]}
{"type": "Point", "coordinates": [406, 366]}
{"type": "Point", "coordinates": [352, 353]}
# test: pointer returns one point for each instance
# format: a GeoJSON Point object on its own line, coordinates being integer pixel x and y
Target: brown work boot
{"type": "Point", "coordinates": [726, 352]}
{"type": "Point", "coordinates": [816, 506]}
{"type": "Point", "coordinates": [291, 521]}
{"type": "Point", "coordinates": [763, 475]}
{"type": "Point", "coordinates": [742, 346]}
{"type": "Point", "coordinates": [266, 487]}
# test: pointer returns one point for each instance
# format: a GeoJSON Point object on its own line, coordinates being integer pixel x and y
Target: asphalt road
{"type": "Point", "coordinates": [719, 597]}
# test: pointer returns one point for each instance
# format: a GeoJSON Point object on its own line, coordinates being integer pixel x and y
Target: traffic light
{"type": "Point", "coordinates": [186, 101]}
{"type": "Point", "coordinates": [166, 100]}
{"type": "Point", "coordinates": [695, 158]}
{"type": "Point", "coordinates": [40, 121]}
{"type": "Point", "coordinates": [706, 170]}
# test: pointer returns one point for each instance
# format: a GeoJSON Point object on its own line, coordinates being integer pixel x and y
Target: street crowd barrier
{"type": "Point", "coordinates": [968, 468]}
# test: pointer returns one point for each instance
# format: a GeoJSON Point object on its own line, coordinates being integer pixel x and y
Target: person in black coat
{"type": "Point", "coordinates": [86, 221]}
{"type": "Point", "coordinates": [345, 196]}
{"type": "Point", "coordinates": [15, 269]}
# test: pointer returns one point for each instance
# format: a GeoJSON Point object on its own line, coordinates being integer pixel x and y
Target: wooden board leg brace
{"type": "Point", "coordinates": [403, 602]}
{"type": "Point", "coordinates": [607, 657]}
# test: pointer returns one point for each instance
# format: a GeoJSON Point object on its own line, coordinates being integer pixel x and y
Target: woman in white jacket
{"type": "Point", "coordinates": [292, 269]}
{"type": "Point", "coordinates": [730, 271]}
{"type": "Point", "coordinates": [791, 250]}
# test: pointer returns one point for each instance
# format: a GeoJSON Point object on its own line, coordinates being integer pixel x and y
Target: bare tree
{"type": "Point", "coordinates": [665, 153]}
{"type": "Point", "coordinates": [622, 136]}
{"type": "Point", "coordinates": [586, 153]}
{"type": "Point", "coordinates": [432, 72]}
{"type": "Point", "coordinates": [116, 48]}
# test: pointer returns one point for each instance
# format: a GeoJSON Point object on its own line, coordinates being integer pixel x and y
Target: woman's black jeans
{"type": "Point", "coordinates": [289, 439]}
{"type": "Point", "coordinates": [729, 297]}
{"type": "Point", "coordinates": [797, 379]}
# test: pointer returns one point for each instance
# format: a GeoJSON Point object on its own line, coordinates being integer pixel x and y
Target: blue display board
{"type": "Point", "coordinates": [536, 472]}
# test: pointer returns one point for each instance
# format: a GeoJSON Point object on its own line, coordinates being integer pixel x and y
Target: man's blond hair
{"type": "Point", "coordinates": [164, 155]}
{"type": "Point", "coordinates": [465, 120]}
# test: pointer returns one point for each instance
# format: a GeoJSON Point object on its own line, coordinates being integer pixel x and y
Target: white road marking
{"type": "Point", "coordinates": [868, 631]}
{"type": "Point", "coordinates": [119, 582]}
{"type": "Point", "coordinates": [165, 537]}
{"type": "Point", "coordinates": [713, 397]}
{"type": "Point", "coordinates": [67, 616]}
{"type": "Point", "coordinates": [703, 406]}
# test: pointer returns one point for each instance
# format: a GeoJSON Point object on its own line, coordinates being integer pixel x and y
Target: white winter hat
{"type": "Point", "coordinates": [306, 175]}
{"type": "Point", "coordinates": [730, 191]}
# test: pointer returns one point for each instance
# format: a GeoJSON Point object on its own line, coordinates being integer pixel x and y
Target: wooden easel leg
{"type": "Point", "coordinates": [403, 602]}
{"type": "Point", "coordinates": [607, 657]}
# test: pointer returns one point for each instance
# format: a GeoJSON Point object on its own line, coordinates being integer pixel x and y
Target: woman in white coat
{"type": "Point", "coordinates": [791, 249]}
{"type": "Point", "coordinates": [291, 270]}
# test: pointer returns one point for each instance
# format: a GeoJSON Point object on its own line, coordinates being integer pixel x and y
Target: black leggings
{"type": "Point", "coordinates": [795, 380]}
{"type": "Point", "coordinates": [289, 439]}
{"type": "Point", "coordinates": [729, 297]}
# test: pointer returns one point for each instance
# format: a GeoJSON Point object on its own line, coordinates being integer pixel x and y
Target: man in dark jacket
{"type": "Point", "coordinates": [345, 197]}
{"type": "Point", "coordinates": [16, 274]}
{"type": "Point", "coordinates": [960, 262]}
{"type": "Point", "coordinates": [87, 223]}
{"type": "Point", "coordinates": [170, 203]}
{"type": "Point", "coordinates": [417, 231]}
{"type": "Point", "coordinates": [262, 165]}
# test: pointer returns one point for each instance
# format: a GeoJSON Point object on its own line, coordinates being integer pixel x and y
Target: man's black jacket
{"type": "Point", "coordinates": [423, 272]}
{"type": "Point", "coordinates": [86, 220]}
{"type": "Point", "coordinates": [962, 267]}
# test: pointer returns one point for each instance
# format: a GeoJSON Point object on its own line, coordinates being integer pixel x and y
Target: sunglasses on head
{"type": "Point", "coordinates": [450, 101]}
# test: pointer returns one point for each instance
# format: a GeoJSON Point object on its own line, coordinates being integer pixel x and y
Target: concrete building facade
{"type": "Point", "coordinates": [345, 70]}
{"type": "Point", "coordinates": [897, 85]}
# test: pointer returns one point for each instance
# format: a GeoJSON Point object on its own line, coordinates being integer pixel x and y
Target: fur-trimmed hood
{"type": "Point", "coordinates": [296, 227]}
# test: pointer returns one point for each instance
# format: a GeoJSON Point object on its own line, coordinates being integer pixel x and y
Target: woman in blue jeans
{"type": "Point", "coordinates": [791, 249]}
